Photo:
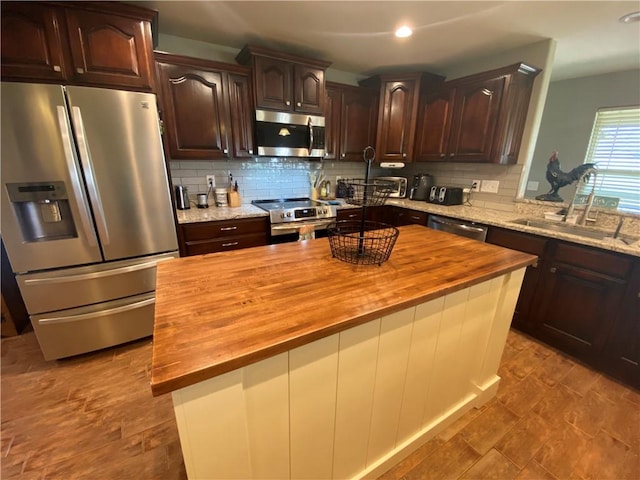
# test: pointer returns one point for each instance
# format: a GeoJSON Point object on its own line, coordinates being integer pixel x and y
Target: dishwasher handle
{"type": "Point", "coordinates": [457, 227]}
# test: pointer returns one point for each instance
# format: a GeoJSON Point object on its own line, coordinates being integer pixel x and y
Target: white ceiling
{"type": "Point", "coordinates": [357, 36]}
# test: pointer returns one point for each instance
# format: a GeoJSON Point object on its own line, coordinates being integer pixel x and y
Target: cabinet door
{"type": "Point", "coordinates": [110, 50]}
{"type": "Point", "coordinates": [533, 245]}
{"type": "Point", "coordinates": [332, 112]}
{"type": "Point", "coordinates": [195, 112]}
{"type": "Point", "coordinates": [358, 124]}
{"type": "Point", "coordinates": [475, 116]}
{"type": "Point", "coordinates": [273, 80]}
{"type": "Point", "coordinates": [395, 131]}
{"type": "Point", "coordinates": [581, 292]}
{"type": "Point", "coordinates": [33, 44]}
{"type": "Point", "coordinates": [622, 350]}
{"type": "Point", "coordinates": [241, 113]}
{"type": "Point", "coordinates": [309, 89]}
{"type": "Point", "coordinates": [434, 126]}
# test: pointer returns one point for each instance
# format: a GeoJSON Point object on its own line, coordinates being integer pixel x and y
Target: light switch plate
{"type": "Point", "coordinates": [490, 186]}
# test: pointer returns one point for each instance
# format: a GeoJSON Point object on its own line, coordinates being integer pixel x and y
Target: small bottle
{"type": "Point", "coordinates": [329, 192]}
{"type": "Point", "coordinates": [323, 190]}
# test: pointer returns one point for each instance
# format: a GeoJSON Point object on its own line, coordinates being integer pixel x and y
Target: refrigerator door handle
{"type": "Point", "coordinates": [87, 164]}
{"type": "Point", "coordinates": [76, 185]}
{"type": "Point", "coordinates": [101, 313]}
{"type": "Point", "coordinates": [93, 275]}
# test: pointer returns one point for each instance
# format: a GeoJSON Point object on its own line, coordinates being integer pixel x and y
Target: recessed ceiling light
{"type": "Point", "coordinates": [630, 17]}
{"type": "Point", "coordinates": [404, 31]}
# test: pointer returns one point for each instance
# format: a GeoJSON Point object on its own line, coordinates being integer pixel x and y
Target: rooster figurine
{"type": "Point", "coordinates": [558, 179]}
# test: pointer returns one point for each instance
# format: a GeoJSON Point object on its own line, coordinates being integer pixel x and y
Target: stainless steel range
{"type": "Point", "coordinates": [288, 215]}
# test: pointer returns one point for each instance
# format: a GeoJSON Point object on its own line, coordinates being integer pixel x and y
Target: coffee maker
{"type": "Point", "coordinates": [421, 186]}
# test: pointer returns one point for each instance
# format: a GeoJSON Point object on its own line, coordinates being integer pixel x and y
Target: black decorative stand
{"type": "Point", "coordinates": [364, 242]}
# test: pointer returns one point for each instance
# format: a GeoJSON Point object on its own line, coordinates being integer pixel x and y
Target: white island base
{"type": "Point", "coordinates": [355, 403]}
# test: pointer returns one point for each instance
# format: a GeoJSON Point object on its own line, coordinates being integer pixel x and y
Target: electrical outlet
{"type": "Point", "coordinates": [490, 186]}
{"type": "Point", "coordinates": [211, 181]}
{"type": "Point", "coordinates": [475, 185]}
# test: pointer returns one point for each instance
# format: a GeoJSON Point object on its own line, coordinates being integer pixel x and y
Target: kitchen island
{"type": "Point", "coordinates": [286, 363]}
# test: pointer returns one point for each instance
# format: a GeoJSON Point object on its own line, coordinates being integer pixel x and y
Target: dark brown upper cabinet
{"type": "Point", "coordinates": [351, 116]}
{"type": "Point", "coordinates": [205, 108]}
{"type": "Point", "coordinates": [285, 82]}
{"type": "Point", "coordinates": [84, 43]}
{"type": "Point", "coordinates": [398, 112]}
{"type": "Point", "coordinates": [479, 118]}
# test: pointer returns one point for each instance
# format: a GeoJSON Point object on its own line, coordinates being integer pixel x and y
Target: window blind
{"type": "Point", "coordinates": [615, 148]}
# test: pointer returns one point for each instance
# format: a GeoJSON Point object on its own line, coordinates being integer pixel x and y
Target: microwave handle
{"type": "Point", "coordinates": [310, 136]}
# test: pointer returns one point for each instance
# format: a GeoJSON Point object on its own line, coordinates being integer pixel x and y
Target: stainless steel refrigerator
{"type": "Point", "coordinates": [86, 211]}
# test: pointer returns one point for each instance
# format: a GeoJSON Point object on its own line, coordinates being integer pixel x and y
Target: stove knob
{"type": "Point", "coordinates": [282, 215]}
{"type": "Point", "coordinates": [288, 214]}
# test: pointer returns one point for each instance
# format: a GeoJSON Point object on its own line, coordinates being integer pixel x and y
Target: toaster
{"type": "Point", "coordinates": [445, 195]}
{"type": "Point", "coordinates": [399, 189]}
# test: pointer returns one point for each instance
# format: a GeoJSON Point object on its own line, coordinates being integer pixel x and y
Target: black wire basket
{"type": "Point", "coordinates": [352, 243]}
{"type": "Point", "coordinates": [371, 194]}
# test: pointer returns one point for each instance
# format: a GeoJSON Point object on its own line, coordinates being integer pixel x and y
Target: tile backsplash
{"type": "Point", "coordinates": [262, 178]}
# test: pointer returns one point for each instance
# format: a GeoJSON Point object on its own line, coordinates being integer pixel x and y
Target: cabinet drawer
{"type": "Point", "coordinates": [523, 242]}
{"type": "Point", "coordinates": [349, 214]}
{"type": "Point", "coordinates": [194, 232]}
{"type": "Point", "coordinates": [220, 245]}
{"type": "Point", "coordinates": [409, 217]}
{"type": "Point", "coordinates": [614, 265]}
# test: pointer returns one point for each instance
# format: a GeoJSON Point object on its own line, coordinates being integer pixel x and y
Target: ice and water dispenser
{"type": "Point", "coordinates": [42, 210]}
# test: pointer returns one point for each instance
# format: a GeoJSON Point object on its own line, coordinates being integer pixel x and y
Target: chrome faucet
{"type": "Point", "coordinates": [620, 222]}
{"type": "Point", "coordinates": [587, 209]}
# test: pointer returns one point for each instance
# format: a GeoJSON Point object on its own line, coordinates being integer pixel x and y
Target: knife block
{"type": "Point", "coordinates": [234, 199]}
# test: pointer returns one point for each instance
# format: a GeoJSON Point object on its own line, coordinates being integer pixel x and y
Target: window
{"type": "Point", "coordinates": [615, 148]}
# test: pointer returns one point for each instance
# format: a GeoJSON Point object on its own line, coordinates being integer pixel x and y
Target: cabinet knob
{"type": "Point", "coordinates": [299, 104]}
{"type": "Point", "coordinates": [442, 155]}
{"type": "Point", "coordinates": [553, 269]}
{"type": "Point", "coordinates": [56, 68]}
{"type": "Point", "coordinates": [250, 152]}
{"type": "Point", "coordinates": [230, 244]}
{"type": "Point", "coordinates": [287, 103]}
{"type": "Point", "coordinates": [226, 150]}
{"type": "Point", "coordinates": [404, 155]}
{"type": "Point", "coordinates": [451, 154]}
{"type": "Point", "coordinates": [343, 155]}
{"type": "Point", "coordinates": [80, 70]}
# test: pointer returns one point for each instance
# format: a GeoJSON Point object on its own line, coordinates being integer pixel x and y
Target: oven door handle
{"type": "Point", "coordinates": [296, 225]}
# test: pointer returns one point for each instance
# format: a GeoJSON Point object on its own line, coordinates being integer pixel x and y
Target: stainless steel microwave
{"type": "Point", "coordinates": [282, 134]}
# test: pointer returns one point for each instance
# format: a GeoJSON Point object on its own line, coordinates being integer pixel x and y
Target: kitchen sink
{"type": "Point", "coordinates": [573, 230]}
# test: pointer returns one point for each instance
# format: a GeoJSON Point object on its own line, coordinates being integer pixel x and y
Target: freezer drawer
{"type": "Point", "coordinates": [73, 287]}
{"type": "Point", "coordinates": [85, 329]}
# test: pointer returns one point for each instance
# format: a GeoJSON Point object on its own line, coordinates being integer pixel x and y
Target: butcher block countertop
{"type": "Point", "coordinates": [218, 312]}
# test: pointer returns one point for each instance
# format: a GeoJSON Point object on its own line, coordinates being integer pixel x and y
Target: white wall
{"type": "Point", "coordinates": [568, 119]}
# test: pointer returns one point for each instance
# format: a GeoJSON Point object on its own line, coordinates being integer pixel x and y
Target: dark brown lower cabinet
{"type": "Point", "coordinates": [209, 237]}
{"type": "Point", "coordinates": [529, 244]}
{"type": "Point", "coordinates": [581, 300]}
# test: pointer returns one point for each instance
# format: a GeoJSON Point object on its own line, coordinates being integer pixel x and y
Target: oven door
{"type": "Point", "coordinates": [288, 232]}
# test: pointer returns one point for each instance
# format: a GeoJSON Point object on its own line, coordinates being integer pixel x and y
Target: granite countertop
{"type": "Point", "coordinates": [484, 216]}
{"type": "Point", "coordinates": [502, 219]}
{"type": "Point", "coordinates": [218, 312]}
{"type": "Point", "coordinates": [213, 214]}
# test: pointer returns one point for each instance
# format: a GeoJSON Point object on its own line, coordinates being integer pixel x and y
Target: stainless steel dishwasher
{"type": "Point", "coordinates": [459, 227]}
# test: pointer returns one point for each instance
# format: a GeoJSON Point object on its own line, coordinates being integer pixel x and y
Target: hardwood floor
{"type": "Point", "coordinates": [93, 417]}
